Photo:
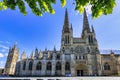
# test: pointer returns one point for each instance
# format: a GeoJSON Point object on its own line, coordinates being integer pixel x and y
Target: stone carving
{"type": "Point", "coordinates": [96, 50]}
{"type": "Point", "coordinates": [72, 49]}
{"type": "Point", "coordinates": [79, 49]}
{"type": "Point", "coordinates": [88, 50]}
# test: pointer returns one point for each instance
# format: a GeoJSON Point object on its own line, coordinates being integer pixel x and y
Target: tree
{"type": "Point", "coordinates": [39, 7]}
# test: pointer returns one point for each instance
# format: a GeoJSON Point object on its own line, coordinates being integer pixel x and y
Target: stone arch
{"type": "Point", "coordinates": [58, 65]}
{"type": "Point", "coordinates": [67, 66]}
{"type": "Point", "coordinates": [67, 69]}
{"type": "Point", "coordinates": [49, 66]}
{"type": "Point", "coordinates": [106, 66]}
{"type": "Point", "coordinates": [30, 65]}
{"type": "Point", "coordinates": [39, 66]}
{"type": "Point", "coordinates": [24, 65]}
{"type": "Point", "coordinates": [81, 69]}
{"type": "Point", "coordinates": [58, 57]}
{"type": "Point", "coordinates": [58, 68]}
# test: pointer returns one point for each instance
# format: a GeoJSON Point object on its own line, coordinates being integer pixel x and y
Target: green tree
{"type": "Point", "coordinates": [39, 7]}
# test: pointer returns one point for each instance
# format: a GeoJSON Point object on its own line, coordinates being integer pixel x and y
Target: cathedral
{"type": "Point", "coordinates": [78, 56]}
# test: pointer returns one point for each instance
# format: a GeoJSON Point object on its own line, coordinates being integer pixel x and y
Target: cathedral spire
{"type": "Point", "coordinates": [36, 53]}
{"type": "Point", "coordinates": [66, 22]}
{"type": "Point", "coordinates": [71, 27]}
{"type": "Point", "coordinates": [85, 22]}
{"type": "Point", "coordinates": [15, 45]}
{"type": "Point", "coordinates": [93, 29]}
{"type": "Point", "coordinates": [32, 55]}
{"type": "Point", "coordinates": [23, 56]}
{"type": "Point", "coordinates": [46, 49]}
{"type": "Point", "coordinates": [40, 54]}
{"type": "Point", "coordinates": [10, 50]}
{"type": "Point", "coordinates": [54, 48]}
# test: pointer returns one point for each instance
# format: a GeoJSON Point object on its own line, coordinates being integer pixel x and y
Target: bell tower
{"type": "Point", "coordinates": [12, 58]}
{"type": "Point", "coordinates": [67, 32]}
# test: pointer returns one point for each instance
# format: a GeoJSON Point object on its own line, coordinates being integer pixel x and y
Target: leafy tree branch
{"type": "Point", "coordinates": [39, 7]}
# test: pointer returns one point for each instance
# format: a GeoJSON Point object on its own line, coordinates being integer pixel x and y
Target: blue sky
{"type": "Point", "coordinates": [32, 31]}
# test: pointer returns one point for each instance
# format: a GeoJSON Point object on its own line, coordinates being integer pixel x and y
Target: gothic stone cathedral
{"type": "Point", "coordinates": [76, 57]}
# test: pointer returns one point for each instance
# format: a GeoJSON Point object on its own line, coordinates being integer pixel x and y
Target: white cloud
{"type": "Point", "coordinates": [88, 9]}
{"type": "Point", "coordinates": [4, 47]}
{"type": "Point", "coordinates": [1, 55]}
{"type": "Point", "coordinates": [74, 12]}
{"type": "Point", "coordinates": [2, 62]}
{"type": "Point", "coordinates": [3, 50]}
{"type": "Point", "coordinates": [6, 54]}
{"type": "Point", "coordinates": [7, 42]}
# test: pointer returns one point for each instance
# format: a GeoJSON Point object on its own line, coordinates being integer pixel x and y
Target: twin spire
{"type": "Point", "coordinates": [85, 22]}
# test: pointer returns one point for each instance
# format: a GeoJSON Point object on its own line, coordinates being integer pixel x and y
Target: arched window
{"type": "Point", "coordinates": [17, 69]}
{"type": "Point", "coordinates": [83, 57]}
{"type": "Point", "coordinates": [58, 66]}
{"type": "Point", "coordinates": [89, 38]}
{"type": "Point", "coordinates": [30, 65]}
{"type": "Point", "coordinates": [24, 65]}
{"type": "Point", "coordinates": [76, 57]}
{"type": "Point", "coordinates": [67, 66]}
{"type": "Point", "coordinates": [79, 57]}
{"type": "Point", "coordinates": [106, 66]}
{"type": "Point", "coordinates": [65, 39]}
{"type": "Point", "coordinates": [58, 56]}
{"type": "Point", "coordinates": [49, 66]}
{"type": "Point", "coordinates": [39, 66]}
{"type": "Point", "coordinates": [68, 39]}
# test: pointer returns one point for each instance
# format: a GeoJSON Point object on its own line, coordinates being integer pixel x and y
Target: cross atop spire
{"type": "Point", "coordinates": [85, 22]}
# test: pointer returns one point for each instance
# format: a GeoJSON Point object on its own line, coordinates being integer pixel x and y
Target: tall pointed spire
{"type": "Point", "coordinates": [10, 50]}
{"type": "Point", "coordinates": [54, 48]}
{"type": "Point", "coordinates": [36, 53]}
{"type": "Point", "coordinates": [85, 22]}
{"type": "Point", "coordinates": [46, 49]}
{"type": "Point", "coordinates": [40, 54]}
{"type": "Point", "coordinates": [66, 22]}
{"type": "Point", "coordinates": [15, 45]}
{"type": "Point", "coordinates": [71, 27]}
{"type": "Point", "coordinates": [93, 29]}
{"type": "Point", "coordinates": [23, 56]}
{"type": "Point", "coordinates": [32, 55]}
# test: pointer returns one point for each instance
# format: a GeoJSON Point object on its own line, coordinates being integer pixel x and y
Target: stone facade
{"type": "Point", "coordinates": [76, 57]}
{"type": "Point", "coordinates": [11, 61]}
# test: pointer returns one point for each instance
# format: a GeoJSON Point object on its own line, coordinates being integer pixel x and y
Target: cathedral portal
{"type": "Point", "coordinates": [81, 70]}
